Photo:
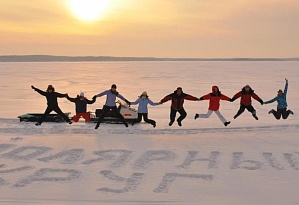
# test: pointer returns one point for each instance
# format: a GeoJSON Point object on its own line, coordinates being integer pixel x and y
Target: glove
{"type": "Point", "coordinates": [94, 97]}
{"type": "Point", "coordinates": [201, 98]}
{"type": "Point", "coordinates": [262, 102]}
{"type": "Point", "coordinates": [32, 87]}
{"type": "Point", "coordinates": [232, 99]}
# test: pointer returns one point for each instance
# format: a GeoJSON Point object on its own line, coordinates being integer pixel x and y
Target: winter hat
{"type": "Point", "coordinates": [113, 86]}
{"type": "Point", "coordinates": [144, 93]}
{"type": "Point", "coordinates": [179, 88]}
{"type": "Point", "coordinates": [82, 94]}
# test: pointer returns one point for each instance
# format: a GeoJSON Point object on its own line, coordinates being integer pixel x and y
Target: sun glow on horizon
{"type": "Point", "coordinates": [89, 10]}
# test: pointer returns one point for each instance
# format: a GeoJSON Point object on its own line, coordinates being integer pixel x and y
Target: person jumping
{"type": "Point", "coordinates": [282, 105]}
{"type": "Point", "coordinates": [81, 106]}
{"type": "Point", "coordinates": [215, 96]}
{"type": "Point", "coordinates": [245, 103]}
{"type": "Point", "coordinates": [51, 96]}
{"type": "Point", "coordinates": [111, 105]}
{"type": "Point", "coordinates": [177, 100]}
{"type": "Point", "coordinates": [143, 100]}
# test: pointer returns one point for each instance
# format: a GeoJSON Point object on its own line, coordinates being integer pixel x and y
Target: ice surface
{"type": "Point", "coordinates": [202, 162]}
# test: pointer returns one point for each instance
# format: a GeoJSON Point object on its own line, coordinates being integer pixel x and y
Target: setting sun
{"type": "Point", "coordinates": [88, 10]}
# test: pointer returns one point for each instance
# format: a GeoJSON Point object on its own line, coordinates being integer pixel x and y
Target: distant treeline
{"type": "Point", "coordinates": [49, 58]}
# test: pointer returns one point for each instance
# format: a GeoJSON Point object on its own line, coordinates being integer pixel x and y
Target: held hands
{"type": "Point", "coordinates": [232, 99]}
{"type": "Point", "coordinates": [94, 97]}
{"type": "Point", "coordinates": [128, 102]}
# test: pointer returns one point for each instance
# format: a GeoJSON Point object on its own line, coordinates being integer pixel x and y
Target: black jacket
{"type": "Point", "coordinates": [51, 97]}
{"type": "Point", "coordinates": [81, 104]}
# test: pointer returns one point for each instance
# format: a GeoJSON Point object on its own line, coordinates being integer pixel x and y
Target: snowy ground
{"type": "Point", "coordinates": [203, 162]}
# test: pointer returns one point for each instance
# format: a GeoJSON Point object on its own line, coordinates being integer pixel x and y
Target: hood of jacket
{"type": "Point", "coordinates": [215, 93]}
{"type": "Point", "coordinates": [249, 92]}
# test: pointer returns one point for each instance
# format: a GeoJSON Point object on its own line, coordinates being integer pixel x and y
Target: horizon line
{"type": "Point", "coordinates": [64, 58]}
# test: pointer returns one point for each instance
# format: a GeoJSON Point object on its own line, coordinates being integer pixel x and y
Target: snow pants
{"type": "Point", "coordinates": [145, 118]}
{"type": "Point", "coordinates": [85, 115]}
{"type": "Point", "coordinates": [242, 109]}
{"type": "Point", "coordinates": [173, 112]}
{"type": "Point", "coordinates": [284, 113]}
{"type": "Point", "coordinates": [223, 120]}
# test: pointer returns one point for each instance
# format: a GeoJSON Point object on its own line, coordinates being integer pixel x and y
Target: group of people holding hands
{"type": "Point", "coordinates": [177, 101]}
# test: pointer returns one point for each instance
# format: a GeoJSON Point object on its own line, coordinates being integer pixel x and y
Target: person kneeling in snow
{"type": "Point", "coordinates": [281, 99]}
{"type": "Point", "coordinates": [215, 96]}
{"type": "Point", "coordinates": [177, 100]}
{"type": "Point", "coordinates": [51, 96]}
{"type": "Point", "coordinates": [111, 105]}
{"type": "Point", "coordinates": [143, 101]}
{"type": "Point", "coordinates": [81, 106]}
{"type": "Point", "coordinates": [245, 103]}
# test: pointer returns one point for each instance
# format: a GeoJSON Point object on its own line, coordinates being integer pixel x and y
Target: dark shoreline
{"type": "Point", "coordinates": [50, 58]}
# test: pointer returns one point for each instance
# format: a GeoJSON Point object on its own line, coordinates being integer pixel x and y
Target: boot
{"type": "Point", "coordinates": [226, 123]}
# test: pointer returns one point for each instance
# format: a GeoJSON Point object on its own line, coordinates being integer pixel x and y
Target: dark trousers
{"type": "Point", "coordinates": [173, 112]}
{"type": "Point", "coordinates": [145, 118]}
{"type": "Point", "coordinates": [242, 109]}
{"type": "Point", "coordinates": [106, 109]}
{"type": "Point", "coordinates": [57, 110]}
{"type": "Point", "coordinates": [284, 113]}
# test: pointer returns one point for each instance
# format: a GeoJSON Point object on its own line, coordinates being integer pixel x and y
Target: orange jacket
{"type": "Point", "coordinates": [214, 99]}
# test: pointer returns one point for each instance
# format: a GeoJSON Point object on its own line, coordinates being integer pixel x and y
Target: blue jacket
{"type": "Point", "coordinates": [111, 97]}
{"type": "Point", "coordinates": [142, 108]}
{"type": "Point", "coordinates": [281, 100]}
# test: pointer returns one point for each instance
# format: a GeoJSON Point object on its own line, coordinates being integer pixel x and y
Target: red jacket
{"type": "Point", "coordinates": [177, 101]}
{"type": "Point", "coordinates": [214, 99]}
{"type": "Point", "coordinates": [246, 97]}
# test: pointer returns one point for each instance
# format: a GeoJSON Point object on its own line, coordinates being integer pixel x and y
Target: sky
{"type": "Point", "coordinates": [143, 28]}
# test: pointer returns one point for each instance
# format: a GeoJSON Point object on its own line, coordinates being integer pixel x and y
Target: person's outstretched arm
{"type": "Point", "coordinates": [152, 103]}
{"type": "Point", "coordinates": [135, 102]}
{"type": "Point", "coordinates": [71, 99]}
{"type": "Point", "coordinates": [286, 86]}
{"type": "Point", "coordinates": [257, 98]}
{"type": "Point", "coordinates": [102, 94]}
{"type": "Point", "coordinates": [205, 97]}
{"type": "Point", "coordinates": [123, 98]}
{"type": "Point", "coordinates": [91, 101]}
{"type": "Point", "coordinates": [224, 97]}
{"type": "Point", "coordinates": [190, 97]}
{"type": "Point", "coordinates": [165, 99]}
{"type": "Point", "coordinates": [236, 96]}
{"type": "Point", "coordinates": [60, 95]}
{"type": "Point", "coordinates": [38, 90]}
{"type": "Point", "coordinates": [271, 101]}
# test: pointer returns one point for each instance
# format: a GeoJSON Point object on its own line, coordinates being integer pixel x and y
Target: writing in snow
{"type": "Point", "coordinates": [115, 159]}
